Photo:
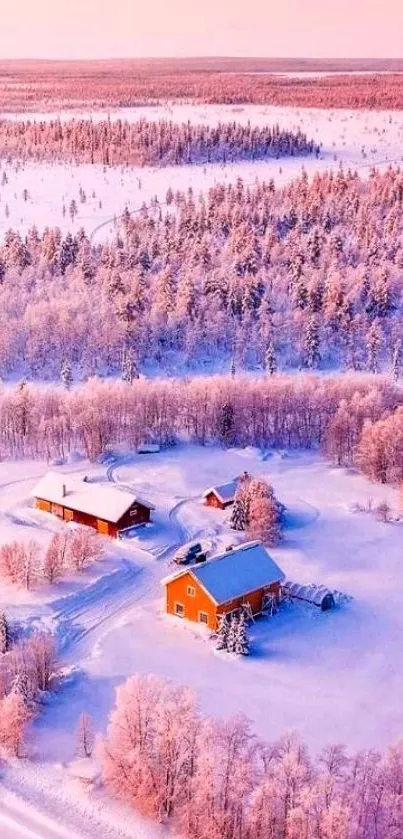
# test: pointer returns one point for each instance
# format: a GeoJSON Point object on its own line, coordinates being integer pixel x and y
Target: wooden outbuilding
{"type": "Point", "coordinates": [221, 496]}
{"type": "Point", "coordinates": [319, 596]}
{"type": "Point", "coordinates": [107, 508]}
{"type": "Point", "coordinates": [241, 577]}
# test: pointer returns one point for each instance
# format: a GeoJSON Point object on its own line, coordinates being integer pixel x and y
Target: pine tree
{"type": "Point", "coordinates": [397, 360]}
{"type": "Point", "coordinates": [222, 633]}
{"type": "Point", "coordinates": [270, 361]}
{"type": "Point", "coordinates": [129, 367]}
{"type": "Point", "coordinates": [66, 375]}
{"type": "Point", "coordinates": [4, 634]}
{"type": "Point", "coordinates": [242, 636]}
{"type": "Point", "coordinates": [240, 510]}
{"type": "Point", "coordinates": [311, 343]}
{"type": "Point", "coordinates": [232, 634]}
{"type": "Point", "coordinates": [238, 519]}
{"type": "Point", "coordinates": [227, 423]}
{"type": "Point", "coordinates": [374, 341]}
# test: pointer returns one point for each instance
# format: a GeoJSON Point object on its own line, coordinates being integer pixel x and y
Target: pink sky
{"type": "Point", "coordinates": [131, 28]}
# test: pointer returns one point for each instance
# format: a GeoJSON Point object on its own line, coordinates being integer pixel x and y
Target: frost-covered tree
{"type": "Point", "coordinates": [4, 633]}
{"type": "Point", "coordinates": [85, 546]}
{"type": "Point", "coordinates": [232, 633]}
{"type": "Point", "coordinates": [373, 344]}
{"type": "Point", "coordinates": [56, 559]}
{"type": "Point", "coordinates": [242, 636]}
{"type": "Point", "coordinates": [226, 422]}
{"type": "Point", "coordinates": [239, 514]}
{"type": "Point", "coordinates": [14, 716]}
{"type": "Point", "coordinates": [222, 633]}
{"type": "Point", "coordinates": [397, 360]}
{"type": "Point", "coordinates": [66, 375]}
{"type": "Point", "coordinates": [240, 510]}
{"type": "Point", "coordinates": [311, 343]}
{"type": "Point", "coordinates": [270, 361]}
{"type": "Point", "coordinates": [85, 736]}
{"type": "Point", "coordinates": [264, 523]}
{"type": "Point", "coordinates": [129, 366]}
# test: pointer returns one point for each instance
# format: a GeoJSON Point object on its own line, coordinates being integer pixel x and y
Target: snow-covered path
{"type": "Point", "coordinates": [17, 820]}
{"type": "Point", "coordinates": [62, 810]}
{"type": "Point", "coordinates": [81, 620]}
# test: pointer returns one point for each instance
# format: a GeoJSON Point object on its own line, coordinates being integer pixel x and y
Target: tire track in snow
{"type": "Point", "coordinates": [82, 619]}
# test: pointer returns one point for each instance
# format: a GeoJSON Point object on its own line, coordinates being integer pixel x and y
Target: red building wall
{"type": "Point", "coordinates": [138, 514]}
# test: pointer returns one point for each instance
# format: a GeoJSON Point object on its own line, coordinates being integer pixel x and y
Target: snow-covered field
{"type": "Point", "coordinates": [356, 139]}
{"type": "Point", "coordinates": [335, 677]}
{"type": "Point", "coordinates": [300, 651]}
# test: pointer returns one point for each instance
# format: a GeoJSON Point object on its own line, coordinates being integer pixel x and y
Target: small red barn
{"type": "Point", "coordinates": [240, 577]}
{"type": "Point", "coordinates": [221, 496]}
{"type": "Point", "coordinates": [107, 508]}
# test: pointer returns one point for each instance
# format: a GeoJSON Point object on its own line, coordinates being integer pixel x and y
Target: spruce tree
{"type": "Point", "coordinates": [222, 633]}
{"type": "Point", "coordinates": [129, 367]}
{"type": "Point", "coordinates": [66, 375]}
{"type": "Point", "coordinates": [227, 423]}
{"type": "Point", "coordinates": [242, 636]}
{"type": "Point", "coordinates": [238, 519]}
{"type": "Point", "coordinates": [312, 343]}
{"type": "Point", "coordinates": [270, 362]}
{"type": "Point", "coordinates": [397, 360]}
{"type": "Point", "coordinates": [232, 634]}
{"type": "Point", "coordinates": [4, 634]}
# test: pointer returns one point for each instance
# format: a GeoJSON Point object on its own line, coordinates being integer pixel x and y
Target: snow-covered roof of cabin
{"type": "Point", "coordinates": [105, 501]}
{"type": "Point", "coordinates": [224, 492]}
{"type": "Point", "coordinates": [234, 573]}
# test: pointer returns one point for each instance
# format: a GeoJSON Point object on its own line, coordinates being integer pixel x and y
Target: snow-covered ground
{"type": "Point", "coordinates": [332, 676]}
{"type": "Point", "coordinates": [356, 139]}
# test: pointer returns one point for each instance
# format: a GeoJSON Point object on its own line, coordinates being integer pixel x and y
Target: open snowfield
{"type": "Point", "coordinates": [335, 676]}
{"type": "Point", "coordinates": [356, 139]}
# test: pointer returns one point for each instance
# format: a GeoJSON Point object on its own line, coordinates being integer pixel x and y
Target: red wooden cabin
{"type": "Point", "coordinates": [107, 508]}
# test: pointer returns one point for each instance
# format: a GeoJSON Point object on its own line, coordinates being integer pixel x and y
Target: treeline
{"type": "Point", "coordinates": [27, 669]}
{"type": "Point", "coordinates": [143, 143]}
{"type": "Point", "coordinates": [309, 275]}
{"type": "Point", "coordinates": [215, 779]}
{"type": "Point", "coordinates": [352, 420]}
{"type": "Point", "coordinates": [24, 563]}
{"type": "Point", "coordinates": [124, 84]}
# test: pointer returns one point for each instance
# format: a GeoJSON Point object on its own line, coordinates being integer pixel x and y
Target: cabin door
{"type": "Point", "coordinates": [68, 515]}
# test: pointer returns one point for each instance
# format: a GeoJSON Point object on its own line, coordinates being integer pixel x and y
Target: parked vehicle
{"type": "Point", "coordinates": [188, 553]}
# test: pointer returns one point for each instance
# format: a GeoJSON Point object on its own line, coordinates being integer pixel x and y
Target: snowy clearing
{"type": "Point", "coordinates": [299, 651]}
{"type": "Point", "coordinates": [111, 623]}
{"type": "Point", "coordinates": [356, 139]}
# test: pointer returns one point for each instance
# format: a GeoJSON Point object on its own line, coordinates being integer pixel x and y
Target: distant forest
{"type": "Point", "coordinates": [145, 143]}
{"type": "Point", "coordinates": [46, 85]}
{"type": "Point", "coordinates": [306, 276]}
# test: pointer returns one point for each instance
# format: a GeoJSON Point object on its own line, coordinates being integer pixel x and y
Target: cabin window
{"type": "Point", "coordinates": [203, 617]}
{"type": "Point", "coordinates": [179, 610]}
{"type": "Point", "coordinates": [191, 591]}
